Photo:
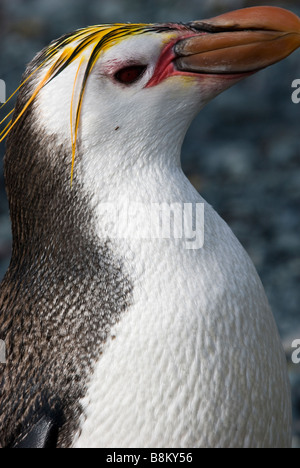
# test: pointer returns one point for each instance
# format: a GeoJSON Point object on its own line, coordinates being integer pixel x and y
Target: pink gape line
{"type": "Point", "coordinates": [165, 65]}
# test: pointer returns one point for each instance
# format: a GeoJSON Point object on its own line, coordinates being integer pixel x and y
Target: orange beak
{"type": "Point", "coordinates": [243, 41]}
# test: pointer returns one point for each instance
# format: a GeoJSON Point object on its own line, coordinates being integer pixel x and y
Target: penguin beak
{"type": "Point", "coordinates": [243, 41]}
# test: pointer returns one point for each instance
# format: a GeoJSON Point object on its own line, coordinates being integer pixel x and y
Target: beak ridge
{"type": "Point", "coordinates": [242, 41]}
{"type": "Point", "coordinates": [263, 18]}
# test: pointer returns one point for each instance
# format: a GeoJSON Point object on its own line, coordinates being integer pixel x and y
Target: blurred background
{"type": "Point", "coordinates": [242, 153]}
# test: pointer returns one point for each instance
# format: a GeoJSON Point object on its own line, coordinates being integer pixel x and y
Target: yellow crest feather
{"type": "Point", "coordinates": [66, 50]}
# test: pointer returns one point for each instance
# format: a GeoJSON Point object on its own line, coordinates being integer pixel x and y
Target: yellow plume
{"type": "Point", "coordinates": [66, 50]}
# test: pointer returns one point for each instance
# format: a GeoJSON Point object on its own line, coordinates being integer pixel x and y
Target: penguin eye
{"type": "Point", "coordinates": [130, 74]}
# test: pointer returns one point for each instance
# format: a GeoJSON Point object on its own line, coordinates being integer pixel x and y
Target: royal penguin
{"type": "Point", "coordinates": [115, 335]}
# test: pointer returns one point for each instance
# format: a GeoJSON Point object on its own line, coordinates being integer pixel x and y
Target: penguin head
{"type": "Point", "coordinates": [122, 87]}
{"type": "Point", "coordinates": [130, 108]}
{"type": "Point", "coordinates": [133, 89]}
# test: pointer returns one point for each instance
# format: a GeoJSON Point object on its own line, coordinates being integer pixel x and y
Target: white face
{"type": "Point", "coordinates": [129, 120]}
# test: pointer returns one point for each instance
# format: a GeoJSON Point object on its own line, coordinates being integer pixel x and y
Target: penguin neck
{"type": "Point", "coordinates": [133, 161]}
{"type": "Point", "coordinates": [134, 189]}
{"type": "Point", "coordinates": [150, 171]}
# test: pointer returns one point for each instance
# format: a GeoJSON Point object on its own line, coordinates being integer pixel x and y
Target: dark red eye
{"type": "Point", "coordinates": [131, 74]}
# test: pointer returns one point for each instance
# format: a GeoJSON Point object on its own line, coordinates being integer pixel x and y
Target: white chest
{"type": "Point", "coordinates": [196, 360]}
